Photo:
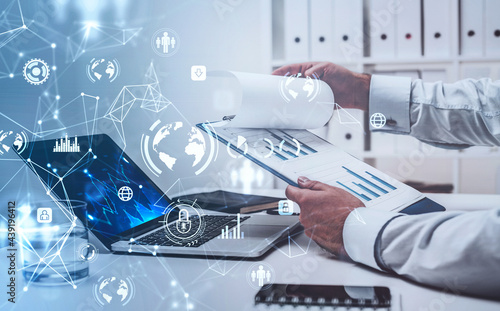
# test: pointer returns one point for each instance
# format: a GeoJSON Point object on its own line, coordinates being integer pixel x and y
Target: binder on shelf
{"type": "Point", "coordinates": [472, 28]}
{"type": "Point", "coordinates": [296, 30]}
{"type": "Point", "coordinates": [437, 28]}
{"type": "Point", "coordinates": [382, 29]}
{"type": "Point", "coordinates": [347, 30]}
{"type": "Point", "coordinates": [409, 30]}
{"type": "Point", "coordinates": [492, 30]}
{"type": "Point", "coordinates": [322, 25]}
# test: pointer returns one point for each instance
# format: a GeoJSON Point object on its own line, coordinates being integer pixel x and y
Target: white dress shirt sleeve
{"type": "Point", "coordinates": [459, 251]}
{"type": "Point", "coordinates": [390, 96]}
{"type": "Point", "coordinates": [451, 115]}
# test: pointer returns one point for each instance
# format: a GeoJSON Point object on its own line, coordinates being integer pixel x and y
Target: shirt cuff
{"type": "Point", "coordinates": [361, 230]}
{"type": "Point", "coordinates": [390, 96]}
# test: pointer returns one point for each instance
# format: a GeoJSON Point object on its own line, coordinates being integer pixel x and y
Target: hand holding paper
{"type": "Point", "coordinates": [351, 89]}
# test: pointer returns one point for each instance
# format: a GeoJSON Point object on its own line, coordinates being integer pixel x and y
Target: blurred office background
{"type": "Point", "coordinates": [431, 40]}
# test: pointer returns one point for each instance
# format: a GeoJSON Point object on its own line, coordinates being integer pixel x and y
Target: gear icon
{"type": "Point", "coordinates": [36, 71]}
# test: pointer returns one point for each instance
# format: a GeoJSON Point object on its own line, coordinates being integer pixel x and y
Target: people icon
{"type": "Point", "coordinates": [165, 42]}
{"type": "Point", "coordinates": [261, 275]}
{"type": "Point", "coordinates": [44, 216]}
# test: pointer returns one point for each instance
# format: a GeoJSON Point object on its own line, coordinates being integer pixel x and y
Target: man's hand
{"type": "Point", "coordinates": [323, 211]}
{"type": "Point", "coordinates": [351, 90]}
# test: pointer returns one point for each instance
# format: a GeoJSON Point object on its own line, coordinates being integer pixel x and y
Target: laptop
{"type": "Point", "coordinates": [129, 214]}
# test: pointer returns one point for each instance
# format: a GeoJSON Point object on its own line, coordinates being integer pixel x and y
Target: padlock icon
{"type": "Point", "coordinates": [183, 224]}
{"type": "Point", "coordinates": [285, 207]}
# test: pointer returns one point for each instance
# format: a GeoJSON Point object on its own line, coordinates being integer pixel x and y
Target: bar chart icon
{"type": "Point", "coordinates": [233, 233]}
{"type": "Point", "coordinates": [65, 145]}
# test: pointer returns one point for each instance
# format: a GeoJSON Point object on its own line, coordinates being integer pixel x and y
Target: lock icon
{"type": "Point", "coordinates": [183, 224]}
{"type": "Point", "coordinates": [285, 207]}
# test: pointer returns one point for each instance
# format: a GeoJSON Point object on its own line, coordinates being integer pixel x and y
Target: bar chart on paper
{"type": "Point", "coordinates": [233, 233]}
{"type": "Point", "coordinates": [367, 186]}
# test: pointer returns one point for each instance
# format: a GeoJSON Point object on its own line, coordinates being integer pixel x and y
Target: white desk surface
{"type": "Point", "coordinates": [222, 285]}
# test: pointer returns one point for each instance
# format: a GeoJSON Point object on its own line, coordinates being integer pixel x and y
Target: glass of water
{"type": "Point", "coordinates": [53, 239]}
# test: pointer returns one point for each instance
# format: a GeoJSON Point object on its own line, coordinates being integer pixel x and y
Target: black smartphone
{"type": "Point", "coordinates": [324, 295]}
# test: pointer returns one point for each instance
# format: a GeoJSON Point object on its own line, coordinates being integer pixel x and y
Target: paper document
{"type": "Point", "coordinates": [288, 150]}
{"type": "Point", "coordinates": [266, 101]}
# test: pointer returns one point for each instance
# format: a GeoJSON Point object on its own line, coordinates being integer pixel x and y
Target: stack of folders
{"type": "Point", "coordinates": [322, 297]}
{"type": "Point", "coordinates": [412, 29]}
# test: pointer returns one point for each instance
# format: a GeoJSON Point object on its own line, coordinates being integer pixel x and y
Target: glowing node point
{"type": "Point", "coordinates": [156, 246]}
{"type": "Point", "coordinates": [83, 94]}
{"type": "Point", "coordinates": [74, 286]}
{"type": "Point", "coordinates": [21, 54]}
{"type": "Point", "coordinates": [25, 289]}
{"type": "Point", "coordinates": [58, 253]}
{"type": "Point", "coordinates": [41, 259]}
{"type": "Point", "coordinates": [90, 149]}
{"type": "Point", "coordinates": [140, 186]}
{"type": "Point", "coordinates": [97, 98]}
{"type": "Point", "coordinates": [55, 116]}
{"type": "Point", "coordinates": [173, 283]}
{"type": "Point", "coordinates": [25, 27]}
{"type": "Point", "coordinates": [11, 75]}
{"type": "Point", "coordinates": [130, 250]}
{"type": "Point", "coordinates": [186, 295]}
{"type": "Point", "coordinates": [58, 97]}
{"type": "Point", "coordinates": [60, 178]}
{"type": "Point", "coordinates": [29, 160]}
{"type": "Point", "coordinates": [154, 253]}
{"type": "Point", "coordinates": [39, 121]}
{"type": "Point", "coordinates": [132, 240]}
{"type": "Point", "coordinates": [53, 45]}
{"type": "Point", "coordinates": [54, 67]}
{"type": "Point", "coordinates": [95, 157]}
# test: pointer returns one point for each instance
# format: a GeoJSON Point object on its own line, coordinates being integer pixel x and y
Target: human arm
{"type": "Point", "coordinates": [457, 115]}
{"type": "Point", "coordinates": [460, 114]}
{"type": "Point", "coordinates": [458, 251]}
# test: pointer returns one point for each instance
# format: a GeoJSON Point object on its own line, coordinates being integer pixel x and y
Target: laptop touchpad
{"type": "Point", "coordinates": [261, 231]}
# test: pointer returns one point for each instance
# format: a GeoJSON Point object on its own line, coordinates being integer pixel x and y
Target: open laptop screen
{"type": "Point", "coordinates": [94, 169]}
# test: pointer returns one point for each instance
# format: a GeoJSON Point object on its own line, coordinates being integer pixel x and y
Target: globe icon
{"type": "Point", "coordinates": [125, 193]}
{"type": "Point", "coordinates": [10, 139]}
{"type": "Point", "coordinates": [168, 137]}
{"type": "Point", "coordinates": [377, 120]}
{"type": "Point", "coordinates": [113, 290]}
{"type": "Point", "coordinates": [295, 88]}
{"type": "Point", "coordinates": [299, 88]}
{"type": "Point", "coordinates": [100, 69]}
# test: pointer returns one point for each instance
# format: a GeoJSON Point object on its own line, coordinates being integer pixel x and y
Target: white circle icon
{"type": "Point", "coordinates": [36, 71]}
{"type": "Point", "coordinates": [377, 120]}
{"type": "Point", "coordinates": [125, 193]}
{"type": "Point", "coordinates": [165, 42]}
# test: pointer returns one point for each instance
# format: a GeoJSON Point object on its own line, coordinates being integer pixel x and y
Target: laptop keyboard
{"type": "Point", "coordinates": [213, 226]}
